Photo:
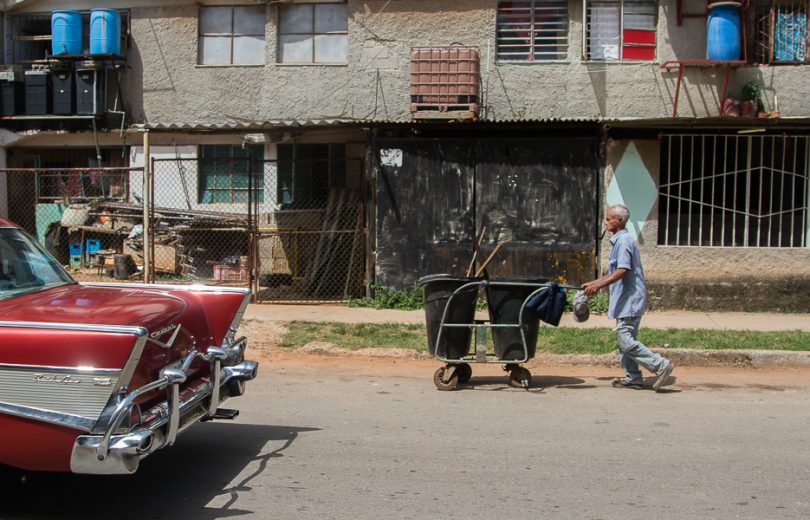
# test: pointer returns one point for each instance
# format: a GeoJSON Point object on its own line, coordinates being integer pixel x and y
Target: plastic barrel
{"type": "Point", "coordinates": [105, 31]}
{"type": "Point", "coordinates": [505, 302]}
{"type": "Point", "coordinates": [455, 342]}
{"type": "Point", "coordinates": [723, 31]}
{"type": "Point", "coordinates": [66, 32]}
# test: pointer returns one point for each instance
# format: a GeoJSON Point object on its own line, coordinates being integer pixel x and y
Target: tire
{"type": "Point", "coordinates": [443, 383]}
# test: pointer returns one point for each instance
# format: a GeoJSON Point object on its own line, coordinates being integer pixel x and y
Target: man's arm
{"type": "Point", "coordinates": [591, 288]}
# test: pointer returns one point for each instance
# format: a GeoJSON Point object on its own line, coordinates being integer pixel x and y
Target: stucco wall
{"type": "Point", "coordinates": [165, 84]}
{"type": "Point", "coordinates": [744, 278]}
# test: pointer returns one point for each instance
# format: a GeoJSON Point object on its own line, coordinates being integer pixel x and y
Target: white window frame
{"type": "Point", "coordinates": [619, 39]}
{"type": "Point", "coordinates": [312, 33]}
{"type": "Point", "coordinates": [232, 35]}
{"type": "Point", "coordinates": [535, 9]}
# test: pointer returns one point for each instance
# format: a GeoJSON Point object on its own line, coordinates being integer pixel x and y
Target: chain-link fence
{"type": "Point", "coordinates": [289, 229]}
{"type": "Point", "coordinates": [83, 216]}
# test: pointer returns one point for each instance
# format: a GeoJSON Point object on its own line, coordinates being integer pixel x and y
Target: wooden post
{"type": "Point", "coordinates": [147, 205]}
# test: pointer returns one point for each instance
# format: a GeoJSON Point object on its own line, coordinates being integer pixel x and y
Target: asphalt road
{"type": "Point", "coordinates": [374, 439]}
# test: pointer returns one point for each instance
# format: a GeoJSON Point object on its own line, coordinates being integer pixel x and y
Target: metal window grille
{"type": "Point", "coordinates": [734, 191]}
{"type": "Point", "coordinates": [534, 30]}
{"type": "Point", "coordinates": [621, 30]}
{"type": "Point", "coordinates": [780, 31]}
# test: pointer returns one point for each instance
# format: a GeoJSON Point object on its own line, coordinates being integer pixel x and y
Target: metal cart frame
{"type": "Point", "coordinates": [459, 370]}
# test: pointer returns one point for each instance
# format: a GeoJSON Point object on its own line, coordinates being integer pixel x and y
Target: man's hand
{"type": "Point", "coordinates": [591, 288]}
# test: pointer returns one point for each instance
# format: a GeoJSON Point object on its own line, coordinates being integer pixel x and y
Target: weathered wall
{"type": "Point", "coordinates": [700, 277]}
{"type": "Point", "coordinates": [166, 84]}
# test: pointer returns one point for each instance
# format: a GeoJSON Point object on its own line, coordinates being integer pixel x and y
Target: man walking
{"type": "Point", "coordinates": [628, 300]}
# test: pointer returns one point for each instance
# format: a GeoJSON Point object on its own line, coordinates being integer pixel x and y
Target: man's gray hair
{"type": "Point", "coordinates": [621, 211]}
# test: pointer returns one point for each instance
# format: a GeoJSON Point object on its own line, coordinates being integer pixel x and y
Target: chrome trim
{"type": "Point", "coordinates": [89, 327]}
{"type": "Point", "coordinates": [54, 368]}
{"type": "Point", "coordinates": [48, 416]}
{"type": "Point", "coordinates": [169, 287]}
{"type": "Point", "coordinates": [106, 452]}
{"type": "Point", "coordinates": [59, 391]}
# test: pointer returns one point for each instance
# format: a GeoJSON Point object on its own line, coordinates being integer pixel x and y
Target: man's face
{"type": "Point", "coordinates": [613, 222]}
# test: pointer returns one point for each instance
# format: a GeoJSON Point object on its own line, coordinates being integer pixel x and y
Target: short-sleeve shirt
{"type": "Point", "coordinates": [628, 296]}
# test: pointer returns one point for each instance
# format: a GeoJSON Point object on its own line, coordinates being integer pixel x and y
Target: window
{"type": "Point", "coordinates": [232, 35]}
{"type": "Point", "coordinates": [780, 31]}
{"type": "Point", "coordinates": [225, 171]}
{"type": "Point", "coordinates": [313, 33]}
{"type": "Point", "coordinates": [533, 30]}
{"type": "Point", "coordinates": [733, 191]}
{"type": "Point", "coordinates": [306, 173]}
{"type": "Point", "coordinates": [621, 30]}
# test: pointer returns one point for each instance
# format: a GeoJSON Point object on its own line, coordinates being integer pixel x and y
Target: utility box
{"type": "Point", "coordinates": [64, 97]}
{"type": "Point", "coordinates": [37, 92]}
{"type": "Point", "coordinates": [89, 91]}
{"type": "Point", "coordinates": [445, 82]}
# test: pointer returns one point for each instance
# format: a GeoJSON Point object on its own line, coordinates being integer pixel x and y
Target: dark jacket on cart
{"type": "Point", "coordinates": [548, 303]}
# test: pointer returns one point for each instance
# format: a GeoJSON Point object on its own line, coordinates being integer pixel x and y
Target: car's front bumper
{"type": "Point", "coordinates": [119, 452]}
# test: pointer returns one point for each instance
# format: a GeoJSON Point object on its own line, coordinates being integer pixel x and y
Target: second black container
{"type": "Point", "coordinates": [505, 300]}
{"type": "Point", "coordinates": [37, 93]}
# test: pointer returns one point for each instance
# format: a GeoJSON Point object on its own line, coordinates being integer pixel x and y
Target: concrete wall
{"type": "Point", "coordinates": [166, 84]}
{"type": "Point", "coordinates": [742, 278]}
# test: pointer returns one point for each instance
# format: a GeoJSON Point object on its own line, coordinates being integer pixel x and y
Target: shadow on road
{"type": "Point", "coordinates": [498, 383]}
{"type": "Point", "coordinates": [202, 476]}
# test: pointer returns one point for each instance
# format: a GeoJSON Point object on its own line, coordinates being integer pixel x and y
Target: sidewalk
{"type": "Point", "coordinates": [654, 320]}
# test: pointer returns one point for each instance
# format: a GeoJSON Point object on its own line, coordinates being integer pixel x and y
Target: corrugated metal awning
{"type": "Point", "coordinates": [190, 126]}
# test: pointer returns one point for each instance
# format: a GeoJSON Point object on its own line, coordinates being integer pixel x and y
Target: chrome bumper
{"type": "Point", "coordinates": [110, 452]}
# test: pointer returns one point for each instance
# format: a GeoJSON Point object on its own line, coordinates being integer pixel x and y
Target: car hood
{"type": "Point", "coordinates": [96, 305]}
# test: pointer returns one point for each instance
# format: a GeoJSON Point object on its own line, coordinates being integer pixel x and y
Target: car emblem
{"type": "Point", "coordinates": [60, 379]}
{"type": "Point", "coordinates": [168, 344]}
{"type": "Point", "coordinates": [102, 381]}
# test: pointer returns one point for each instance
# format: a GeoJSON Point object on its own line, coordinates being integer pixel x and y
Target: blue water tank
{"type": "Point", "coordinates": [105, 31]}
{"type": "Point", "coordinates": [66, 32]}
{"type": "Point", "coordinates": [723, 32]}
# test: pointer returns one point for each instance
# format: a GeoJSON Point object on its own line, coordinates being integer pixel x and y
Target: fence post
{"type": "Point", "coordinates": [147, 204]}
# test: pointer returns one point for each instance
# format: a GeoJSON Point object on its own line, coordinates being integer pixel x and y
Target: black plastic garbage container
{"type": "Point", "coordinates": [505, 299]}
{"type": "Point", "coordinates": [455, 341]}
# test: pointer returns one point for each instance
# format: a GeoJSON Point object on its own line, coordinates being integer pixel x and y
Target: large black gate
{"type": "Point", "coordinates": [537, 197]}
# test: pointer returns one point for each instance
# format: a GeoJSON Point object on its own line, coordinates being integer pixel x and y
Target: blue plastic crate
{"type": "Point", "coordinates": [92, 245]}
{"type": "Point", "coordinates": [75, 249]}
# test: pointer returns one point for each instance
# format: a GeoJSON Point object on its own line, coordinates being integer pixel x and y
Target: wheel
{"type": "Point", "coordinates": [520, 378]}
{"type": "Point", "coordinates": [464, 373]}
{"type": "Point", "coordinates": [443, 383]}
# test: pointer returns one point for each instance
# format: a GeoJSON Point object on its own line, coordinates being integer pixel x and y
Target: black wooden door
{"type": "Point", "coordinates": [537, 197]}
{"type": "Point", "coordinates": [424, 209]}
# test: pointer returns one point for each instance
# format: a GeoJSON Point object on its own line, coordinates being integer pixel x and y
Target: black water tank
{"type": "Point", "coordinates": [64, 99]}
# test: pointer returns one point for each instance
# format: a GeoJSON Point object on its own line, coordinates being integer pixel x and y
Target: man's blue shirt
{"type": "Point", "coordinates": [628, 296]}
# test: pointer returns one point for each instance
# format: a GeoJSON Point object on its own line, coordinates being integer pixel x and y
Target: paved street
{"type": "Point", "coordinates": [329, 437]}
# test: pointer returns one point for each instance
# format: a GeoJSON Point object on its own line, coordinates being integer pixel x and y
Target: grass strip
{"type": "Point", "coordinates": [549, 339]}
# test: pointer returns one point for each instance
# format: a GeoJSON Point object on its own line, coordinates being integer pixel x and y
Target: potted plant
{"type": "Point", "coordinates": [752, 100]}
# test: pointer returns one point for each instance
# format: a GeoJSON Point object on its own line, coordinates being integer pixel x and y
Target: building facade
{"type": "Point", "coordinates": [412, 130]}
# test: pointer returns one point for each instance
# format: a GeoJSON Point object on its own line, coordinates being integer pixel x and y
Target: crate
{"type": "Point", "coordinates": [75, 262]}
{"type": "Point", "coordinates": [230, 273]}
{"type": "Point", "coordinates": [75, 249]}
{"type": "Point", "coordinates": [92, 245]}
{"type": "Point", "coordinates": [445, 80]}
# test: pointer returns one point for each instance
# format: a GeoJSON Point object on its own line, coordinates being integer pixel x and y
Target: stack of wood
{"type": "Point", "coordinates": [337, 266]}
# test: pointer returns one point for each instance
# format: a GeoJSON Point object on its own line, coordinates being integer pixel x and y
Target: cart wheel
{"type": "Point", "coordinates": [520, 378]}
{"type": "Point", "coordinates": [443, 383]}
{"type": "Point", "coordinates": [464, 372]}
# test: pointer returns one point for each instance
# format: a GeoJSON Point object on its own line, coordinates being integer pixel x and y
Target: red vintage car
{"type": "Point", "coordinates": [96, 376]}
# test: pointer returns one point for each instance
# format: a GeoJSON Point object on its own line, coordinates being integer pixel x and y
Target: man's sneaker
{"type": "Point", "coordinates": [626, 383]}
{"type": "Point", "coordinates": [663, 375]}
